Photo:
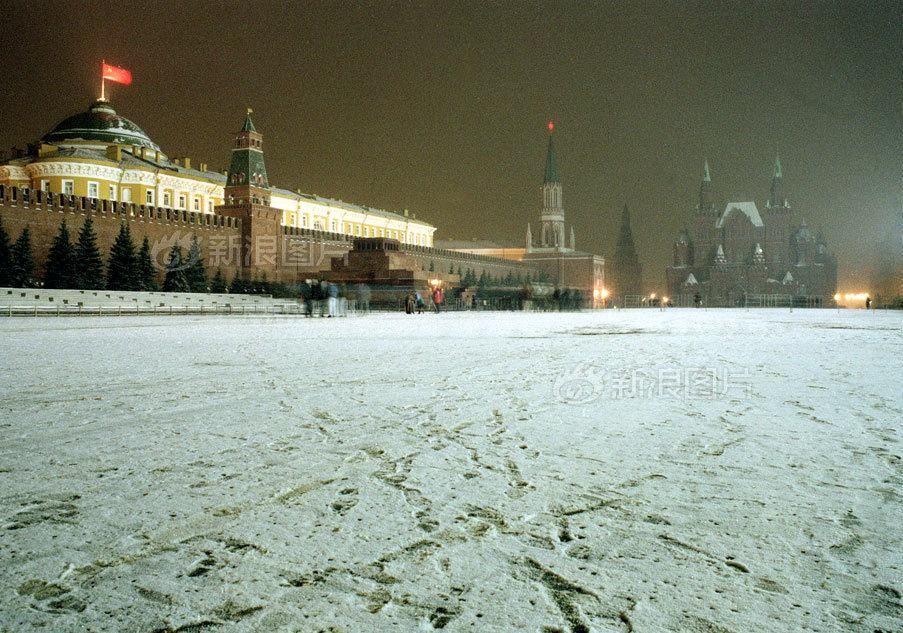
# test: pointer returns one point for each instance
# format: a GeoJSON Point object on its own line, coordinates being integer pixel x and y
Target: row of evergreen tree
{"type": "Point", "coordinates": [80, 264]}
{"type": "Point", "coordinates": [469, 278]}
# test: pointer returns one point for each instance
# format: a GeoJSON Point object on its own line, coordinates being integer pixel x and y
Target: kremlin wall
{"type": "Point", "coordinates": [98, 163]}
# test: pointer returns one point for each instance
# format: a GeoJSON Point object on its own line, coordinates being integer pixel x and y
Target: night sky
{"type": "Point", "coordinates": [441, 108]}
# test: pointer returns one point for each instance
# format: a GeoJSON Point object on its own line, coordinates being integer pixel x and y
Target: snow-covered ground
{"type": "Point", "coordinates": [687, 470]}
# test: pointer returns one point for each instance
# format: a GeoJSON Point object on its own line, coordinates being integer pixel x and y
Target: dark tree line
{"type": "Point", "coordinates": [79, 265]}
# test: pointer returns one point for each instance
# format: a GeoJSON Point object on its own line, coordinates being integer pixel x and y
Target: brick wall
{"type": "Point", "coordinates": [42, 214]}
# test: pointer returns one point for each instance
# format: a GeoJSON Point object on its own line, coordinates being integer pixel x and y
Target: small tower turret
{"type": "Point", "coordinates": [247, 177]}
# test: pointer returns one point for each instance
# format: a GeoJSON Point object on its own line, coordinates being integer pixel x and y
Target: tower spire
{"type": "Point", "coordinates": [776, 199]}
{"type": "Point", "coordinates": [247, 176]}
{"type": "Point", "coordinates": [552, 216]}
{"type": "Point", "coordinates": [249, 124]}
{"type": "Point", "coordinates": [551, 161]}
{"type": "Point", "coordinates": [706, 198]}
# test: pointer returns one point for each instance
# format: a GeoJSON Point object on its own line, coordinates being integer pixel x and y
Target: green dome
{"type": "Point", "coordinates": [99, 123]}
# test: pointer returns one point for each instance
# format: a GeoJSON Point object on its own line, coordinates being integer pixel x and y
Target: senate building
{"type": "Point", "coordinates": [99, 154]}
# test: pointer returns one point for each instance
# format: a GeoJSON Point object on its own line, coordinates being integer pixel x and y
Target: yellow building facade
{"type": "Point", "coordinates": [101, 154]}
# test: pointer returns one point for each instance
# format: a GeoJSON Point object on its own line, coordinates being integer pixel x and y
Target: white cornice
{"type": "Point", "coordinates": [61, 168]}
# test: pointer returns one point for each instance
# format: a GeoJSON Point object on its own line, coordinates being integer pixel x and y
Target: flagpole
{"type": "Point", "coordinates": [102, 83]}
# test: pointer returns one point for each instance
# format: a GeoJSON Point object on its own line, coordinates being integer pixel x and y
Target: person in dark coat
{"type": "Point", "coordinates": [307, 298]}
{"type": "Point", "coordinates": [409, 303]}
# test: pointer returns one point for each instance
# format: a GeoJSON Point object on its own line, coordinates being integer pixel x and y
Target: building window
{"type": "Point", "coordinates": [45, 186]}
{"type": "Point", "coordinates": [167, 200]}
{"type": "Point", "coordinates": [149, 197]}
{"type": "Point", "coordinates": [126, 195]}
{"type": "Point", "coordinates": [197, 204]}
{"type": "Point", "coordinates": [181, 202]}
{"type": "Point", "coordinates": [210, 206]}
{"type": "Point", "coordinates": [304, 221]}
{"type": "Point", "coordinates": [357, 230]}
{"type": "Point", "coordinates": [112, 192]}
{"type": "Point", "coordinates": [93, 190]}
{"type": "Point", "coordinates": [68, 187]}
{"type": "Point", "coordinates": [335, 226]}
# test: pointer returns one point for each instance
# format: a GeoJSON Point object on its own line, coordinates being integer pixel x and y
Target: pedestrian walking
{"type": "Point", "coordinates": [363, 298]}
{"type": "Point", "coordinates": [332, 293]}
{"type": "Point", "coordinates": [306, 293]}
{"type": "Point", "coordinates": [438, 296]}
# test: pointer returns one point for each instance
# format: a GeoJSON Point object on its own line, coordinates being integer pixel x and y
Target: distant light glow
{"type": "Point", "coordinates": [604, 293]}
{"type": "Point", "coordinates": [551, 127]}
{"type": "Point", "coordinates": [836, 296]}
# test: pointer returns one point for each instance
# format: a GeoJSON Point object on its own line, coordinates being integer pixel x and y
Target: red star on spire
{"type": "Point", "coordinates": [551, 126]}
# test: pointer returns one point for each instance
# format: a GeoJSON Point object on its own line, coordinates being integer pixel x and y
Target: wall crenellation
{"type": "Point", "coordinates": [30, 198]}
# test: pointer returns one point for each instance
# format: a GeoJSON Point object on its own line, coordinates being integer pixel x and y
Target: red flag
{"type": "Point", "coordinates": [114, 73]}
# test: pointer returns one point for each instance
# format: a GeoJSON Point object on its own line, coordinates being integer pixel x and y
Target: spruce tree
{"type": "Point", "coordinates": [22, 273]}
{"type": "Point", "coordinates": [195, 273]}
{"type": "Point", "coordinates": [122, 269]}
{"type": "Point", "coordinates": [147, 272]}
{"type": "Point", "coordinates": [175, 272]}
{"type": "Point", "coordinates": [218, 282]}
{"type": "Point", "coordinates": [237, 286]}
{"type": "Point", "coordinates": [88, 262]}
{"type": "Point", "coordinates": [61, 261]}
{"type": "Point", "coordinates": [5, 256]}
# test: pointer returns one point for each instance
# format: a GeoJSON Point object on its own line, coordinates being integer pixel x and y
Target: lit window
{"type": "Point", "coordinates": [45, 186]}
{"type": "Point", "coordinates": [68, 187]}
{"type": "Point", "coordinates": [149, 196]}
{"type": "Point", "coordinates": [112, 192]}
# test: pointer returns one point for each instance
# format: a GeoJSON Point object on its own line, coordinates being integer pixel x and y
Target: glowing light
{"type": "Point", "coordinates": [856, 296]}
{"type": "Point", "coordinates": [551, 127]}
{"type": "Point", "coordinates": [836, 296]}
{"type": "Point", "coordinates": [596, 293]}
{"type": "Point", "coordinates": [652, 296]}
{"type": "Point", "coordinates": [664, 299]}
{"type": "Point", "coordinates": [604, 293]}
